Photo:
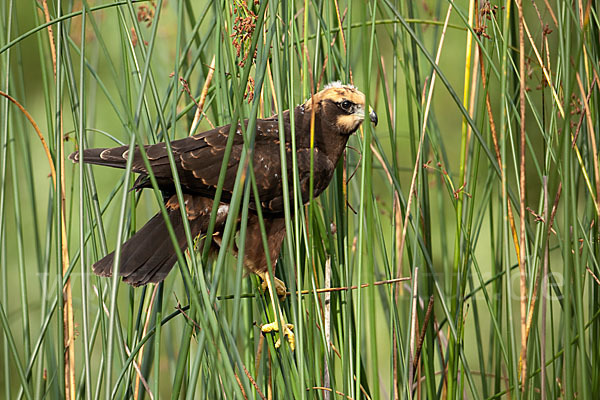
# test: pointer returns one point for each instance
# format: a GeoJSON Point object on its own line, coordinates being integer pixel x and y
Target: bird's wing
{"type": "Point", "coordinates": [199, 159]}
{"type": "Point", "coordinates": [201, 167]}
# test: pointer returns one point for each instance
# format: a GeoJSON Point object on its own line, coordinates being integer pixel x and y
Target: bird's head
{"type": "Point", "coordinates": [342, 106]}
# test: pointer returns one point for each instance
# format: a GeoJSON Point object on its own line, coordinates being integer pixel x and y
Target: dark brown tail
{"type": "Point", "coordinates": [149, 255]}
{"type": "Point", "coordinates": [113, 157]}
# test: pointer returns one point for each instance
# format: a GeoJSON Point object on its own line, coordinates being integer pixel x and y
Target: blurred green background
{"type": "Point", "coordinates": [431, 163]}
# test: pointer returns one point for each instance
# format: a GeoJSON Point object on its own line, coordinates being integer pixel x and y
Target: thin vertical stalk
{"type": "Point", "coordinates": [84, 271]}
{"type": "Point", "coordinates": [7, 15]}
{"type": "Point", "coordinates": [522, 213]}
{"type": "Point", "coordinates": [58, 211]}
{"type": "Point", "coordinates": [459, 262]}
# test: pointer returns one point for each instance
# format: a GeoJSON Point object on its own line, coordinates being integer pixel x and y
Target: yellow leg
{"type": "Point", "coordinates": [274, 326]}
{"type": "Point", "coordinates": [280, 287]}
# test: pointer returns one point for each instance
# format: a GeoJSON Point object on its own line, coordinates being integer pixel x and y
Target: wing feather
{"type": "Point", "coordinates": [199, 159]}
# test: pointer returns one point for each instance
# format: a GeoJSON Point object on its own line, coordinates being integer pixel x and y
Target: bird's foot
{"type": "Point", "coordinates": [287, 332]}
{"type": "Point", "coordinates": [280, 287]}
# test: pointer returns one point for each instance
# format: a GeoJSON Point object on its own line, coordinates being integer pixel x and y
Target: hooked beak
{"type": "Point", "coordinates": [373, 116]}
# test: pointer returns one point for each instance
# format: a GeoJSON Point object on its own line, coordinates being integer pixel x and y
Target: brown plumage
{"type": "Point", "coordinates": [149, 255]}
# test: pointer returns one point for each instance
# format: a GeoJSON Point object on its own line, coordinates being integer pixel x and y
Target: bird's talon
{"type": "Point", "coordinates": [287, 332]}
{"type": "Point", "coordinates": [270, 327]}
{"type": "Point", "coordinates": [291, 340]}
{"type": "Point", "coordinates": [280, 287]}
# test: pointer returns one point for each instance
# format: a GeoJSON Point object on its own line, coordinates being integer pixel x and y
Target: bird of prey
{"type": "Point", "coordinates": [148, 256]}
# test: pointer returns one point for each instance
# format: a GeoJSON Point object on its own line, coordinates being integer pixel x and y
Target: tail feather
{"type": "Point", "coordinates": [149, 255]}
{"type": "Point", "coordinates": [152, 239]}
{"type": "Point", "coordinates": [160, 261]}
{"type": "Point", "coordinates": [113, 157]}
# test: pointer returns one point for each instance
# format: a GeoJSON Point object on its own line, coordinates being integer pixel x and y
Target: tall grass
{"type": "Point", "coordinates": [454, 255]}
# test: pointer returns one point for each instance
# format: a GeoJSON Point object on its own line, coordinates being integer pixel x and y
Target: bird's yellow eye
{"type": "Point", "coordinates": [346, 105]}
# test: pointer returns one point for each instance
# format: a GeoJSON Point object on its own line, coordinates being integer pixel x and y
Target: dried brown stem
{"type": "Point", "coordinates": [260, 393]}
{"type": "Point", "coordinates": [203, 94]}
{"type": "Point", "coordinates": [428, 314]}
{"type": "Point", "coordinates": [328, 390]}
{"type": "Point", "coordinates": [69, 329]}
{"type": "Point", "coordinates": [237, 378]}
{"type": "Point", "coordinates": [592, 134]}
